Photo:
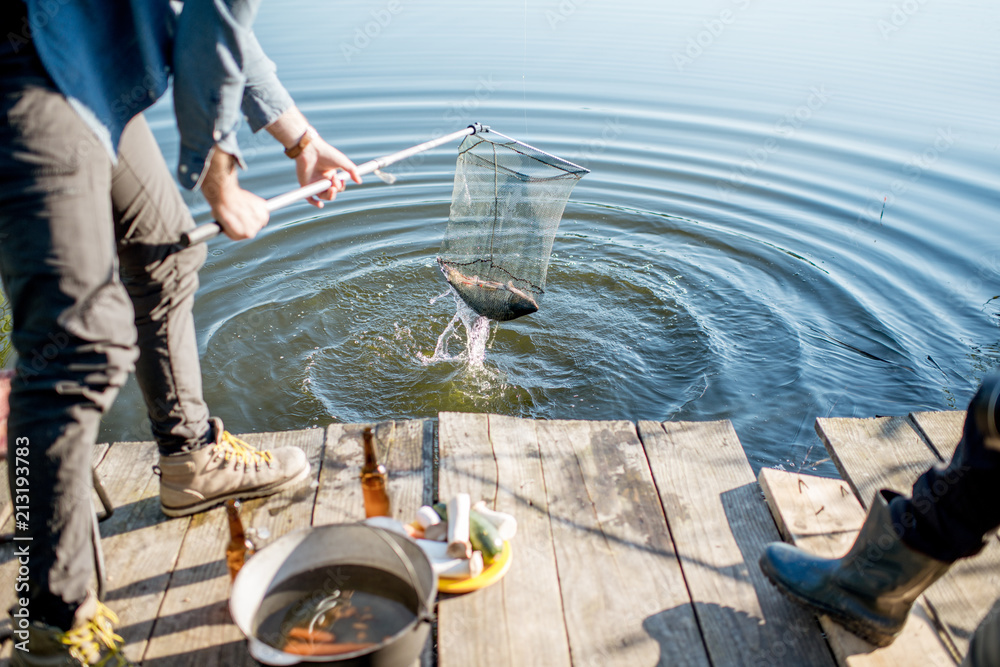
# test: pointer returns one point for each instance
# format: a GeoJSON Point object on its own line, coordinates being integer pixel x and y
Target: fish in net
{"type": "Point", "coordinates": [506, 206]}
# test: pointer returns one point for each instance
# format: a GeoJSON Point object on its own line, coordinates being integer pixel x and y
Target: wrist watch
{"type": "Point", "coordinates": [296, 150]}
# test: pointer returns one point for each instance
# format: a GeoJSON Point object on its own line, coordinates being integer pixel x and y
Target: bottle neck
{"type": "Point", "coordinates": [237, 536]}
{"type": "Point", "coordinates": [371, 462]}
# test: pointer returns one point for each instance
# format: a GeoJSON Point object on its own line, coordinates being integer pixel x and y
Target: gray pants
{"type": "Point", "coordinates": [98, 285]}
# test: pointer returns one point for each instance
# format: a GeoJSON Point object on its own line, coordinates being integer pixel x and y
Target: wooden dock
{"type": "Point", "coordinates": [637, 543]}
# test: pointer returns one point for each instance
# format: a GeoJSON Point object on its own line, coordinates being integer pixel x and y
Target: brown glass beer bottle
{"type": "Point", "coordinates": [373, 480]}
{"type": "Point", "coordinates": [239, 548]}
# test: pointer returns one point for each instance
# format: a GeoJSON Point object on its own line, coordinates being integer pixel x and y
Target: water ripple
{"type": "Point", "coordinates": [789, 226]}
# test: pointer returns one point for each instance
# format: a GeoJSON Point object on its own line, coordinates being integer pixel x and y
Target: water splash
{"type": "Point", "coordinates": [477, 333]}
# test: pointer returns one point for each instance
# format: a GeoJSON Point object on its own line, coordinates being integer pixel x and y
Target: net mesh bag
{"type": "Point", "coordinates": [505, 209]}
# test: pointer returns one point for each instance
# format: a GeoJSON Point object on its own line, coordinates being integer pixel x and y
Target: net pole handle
{"type": "Point", "coordinates": [209, 230]}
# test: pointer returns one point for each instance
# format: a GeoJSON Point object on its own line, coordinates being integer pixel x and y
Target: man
{"type": "Point", "coordinates": [90, 220]}
{"type": "Point", "coordinates": [908, 543]}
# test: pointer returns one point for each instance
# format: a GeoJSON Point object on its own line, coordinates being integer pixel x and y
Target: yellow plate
{"type": "Point", "coordinates": [493, 573]}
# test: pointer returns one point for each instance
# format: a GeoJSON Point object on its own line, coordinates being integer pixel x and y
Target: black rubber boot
{"type": "Point", "coordinates": [984, 648]}
{"type": "Point", "coordinates": [870, 589]}
{"type": "Point", "coordinates": [984, 412]}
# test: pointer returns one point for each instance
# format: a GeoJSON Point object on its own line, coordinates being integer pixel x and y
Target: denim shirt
{"type": "Point", "coordinates": [113, 58]}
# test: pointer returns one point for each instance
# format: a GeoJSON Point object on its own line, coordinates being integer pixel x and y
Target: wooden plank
{"type": "Point", "coordinates": [624, 596]}
{"type": "Point", "coordinates": [519, 620]}
{"type": "Point", "coordinates": [942, 430]}
{"type": "Point", "coordinates": [720, 526]}
{"type": "Point", "coordinates": [400, 445]}
{"type": "Point", "coordinates": [140, 545]}
{"type": "Point", "coordinates": [966, 594]}
{"type": "Point", "coordinates": [405, 448]}
{"type": "Point", "coordinates": [875, 453]}
{"type": "Point", "coordinates": [823, 517]}
{"type": "Point", "coordinates": [193, 626]}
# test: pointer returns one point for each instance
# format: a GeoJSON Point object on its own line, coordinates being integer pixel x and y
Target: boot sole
{"type": "Point", "coordinates": [188, 510]}
{"type": "Point", "coordinates": [850, 623]}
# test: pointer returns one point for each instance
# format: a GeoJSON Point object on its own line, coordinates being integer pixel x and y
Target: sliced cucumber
{"type": "Point", "coordinates": [484, 536]}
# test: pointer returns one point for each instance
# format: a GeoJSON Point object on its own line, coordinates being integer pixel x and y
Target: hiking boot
{"type": "Point", "coordinates": [870, 589]}
{"type": "Point", "coordinates": [195, 481]}
{"type": "Point", "coordinates": [91, 641]}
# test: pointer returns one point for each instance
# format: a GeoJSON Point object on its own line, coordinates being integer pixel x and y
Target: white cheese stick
{"type": "Point", "coordinates": [427, 517]}
{"type": "Point", "coordinates": [460, 568]}
{"type": "Point", "coordinates": [459, 545]}
{"type": "Point", "coordinates": [438, 532]}
{"type": "Point", "coordinates": [434, 550]}
{"type": "Point", "coordinates": [448, 567]}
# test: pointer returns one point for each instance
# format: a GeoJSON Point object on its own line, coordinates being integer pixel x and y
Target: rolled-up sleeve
{"type": "Point", "coordinates": [264, 98]}
{"type": "Point", "coordinates": [219, 70]}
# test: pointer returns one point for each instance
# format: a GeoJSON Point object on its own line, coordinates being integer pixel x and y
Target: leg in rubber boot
{"type": "Point", "coordinates": [870, 589]}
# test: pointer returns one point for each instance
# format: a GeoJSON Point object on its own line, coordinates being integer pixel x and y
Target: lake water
{"type": "Point", "coordinates": [791, 214]}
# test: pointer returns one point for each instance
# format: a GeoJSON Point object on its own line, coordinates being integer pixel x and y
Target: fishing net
{"type": "Point", "coordinates": [505, 209]}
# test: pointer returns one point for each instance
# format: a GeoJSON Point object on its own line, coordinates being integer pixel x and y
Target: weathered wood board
{"type": "Point", "coordinates": [140, 545]}
{"type": "Point", "coordinates": [720, 525]}
{"type": "Point", "coordinates": [637, 544]}
{"type": "Point", "coordinates": [518, 620]}
{"type": "Point", "coordinates": [406, 450]}
{"type": "Point", "coordinates": [942, 430]}
{"type": "Point", "coordinates": [875, 453]}
{"type": "Point", "coordinates": [624, 597]}
{"type": "Point", "coordinates": [194, 626]}
{"type": "Point", "coordinates": [401, 446]}
{"type": "Point", "coordinates": [822, 516]}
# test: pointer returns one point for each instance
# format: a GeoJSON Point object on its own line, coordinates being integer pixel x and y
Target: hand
{"type": "Point", "coordinates": [319, 160]}
{"type": "Point", "coordinates": [241, 214]}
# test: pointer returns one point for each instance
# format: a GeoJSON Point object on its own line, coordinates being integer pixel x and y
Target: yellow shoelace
{"type": "Point", "coordinates": [232, 447]}
{"type": "Point", "coordinates": [87, 642]}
